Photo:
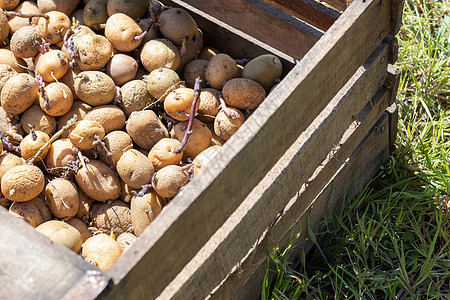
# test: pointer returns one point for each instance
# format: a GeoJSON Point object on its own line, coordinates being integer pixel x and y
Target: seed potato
{"type": "Point", "coordinates": [224, 126]}
{"type": "Point", "coordinates": [199, 140]}
{"type": "Point", "coordinates": [60, 153]}
{"type": "Point", "coordinates": [135, 169]}
{"type": "Point", "coordinates": [83, 134]}
{"type": "Point", "coordinates": [221, 67]}
{"type": "Point", "coordinates": [61, 233]}
{"type": "Point", "coordinates": [195, 68]}
{"type": "Point", "coordinates": [160, 53]}
{"type": "Point", "coordinates": [264, 69]}
{"type": "Point", "coordinates": [134, 96]}
{"type": "Point", "coordinates": [81, 227]}
{"type": "Point", "coordinates": [19, 93]}
{"type": "Point", "coordinates": [122, 31]}
{"type": "Point", "coordinates": [133, 8]}
{"type": "Point", "coordinates": [63, 6]}
{"type": "Point", "coordinates": [178, 103]}
{"type": "Point", "coordinates": [62, 196]}
{"type": "Point", "coordinates": [58, 100]}
{"type": "Point", "coordinates": [6, 72]}
{"type": "Point", "coordinates": [144, 210]}
{"type": "Point", "coordinates": [94, 52]}
{"type": "Point", "coordinates": [7, 57]}
{"type": "Point", "coordinates": [23, 42]}
{"type": "Point", "coordinates": [54, 28]}
{"type": "Point", "coordinates": [84, 209]}
{"type": "Point", "coordinates": [168, 181]}
{"type": "Point", "coordinates": [95, 13]}
{"type": "Point", "coordinates": [243, 93]}
{"type": "Point", "coordinates": [117, 143]}
{"type": "Point", "coordinates": [52, 65]}
{"type": "Point", "coordinates": [34, 212]}
{"type": "Point", "coordinates": [122, 68]}
{"type": "Point", "coordinates": [109, 116]}
{"type": "Point", "coordinates": [31, 144]}
{"type": "Point", "coordinates": [102, 251]}
{"type": "Point", "coordinates": [22, 183]}
{"type": "Point", "coordinates": [209, 104]}
{"type": "Point", "coordinates": [163, 153]}
{"type": "Point", "coordinates": [177, 25]}
{"type": "Point", "coordinates": [192, 50]}
{"type": "Point", "coordinates": [145, 128]}
{"type": "Point", "coordinates": [8, 161]}
{"type": "Point", "coordinates": [94, 87]}
{"type": "Point", "coordinates": [114, 216]}
{"type": "Point", "coordinates": [38, 119]}
{"type": "Point", "coordinates": [125, 240]}
{"type": "Point", "coordinates": [161, 81]}
{"type": "Point", "coordinates": [78, 108]}
{"type": "Point", "coordinates": [26, 7]}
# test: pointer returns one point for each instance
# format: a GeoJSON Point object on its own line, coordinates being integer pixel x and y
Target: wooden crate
{"type": "Point", "coordinates": [320, 135]}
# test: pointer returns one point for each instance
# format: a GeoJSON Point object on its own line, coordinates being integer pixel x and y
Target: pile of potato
{"type": "Point", "coordinates": [96, 115]}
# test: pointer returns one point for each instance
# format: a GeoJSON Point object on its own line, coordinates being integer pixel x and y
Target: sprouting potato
{"type": "Point", "coordinates": [38, 119]}
{"type": "Point", "coordinates": [160, 53]}
{"type": "Point", "coordinates": [195, 68]}
{"type": "Point", "coordinates": [135, 169]}
{"type": "Point", "coordinates": [134, 96]}
{"type": "Point", "coordinates": [94, 52]}
{"type": "Point", "coordinates": [34, 212]}
{"type": "Point", "coordinates": [118, 142]}
{"type": "Point", "coordinates": [221, 67]}
{"type": "Point", "coordinates": [63, 6]}
{"type": "Point", "coordinates": [152, 33]}
{"type": "Point", "coordinates": [209, 104]}
{"type": "Point", "coordinates": [243, 93]}
{"type": "Point", "coordinates": [52, 65]}
{"type": "Point", "coordinates": [62, 196]}
{"type": "Point", "coordinates": [199, 140]}
{"type": "Point", "coordinates": [19, 93]}
{"type": "Point", "coordinates": [122, 31]}
{"type": "Point", "coordinates": [178, 103]}
{"type": "Point", "coordinates": [60, 154]}
{"type": "Point", "coordinates": [94, 87]}
{"type": "Point", "coordinates": [54, 28]}
{"type": "Point", "coordinates": [95, 13]}
{"type": "Point", "coordinates": [125, 240]}
{"type": "Point", "coordinates": [145, 128]}
{"type": "Point", "coordinates": [126, 192]}
{"type": "Point", "coordinates": [114, 216]}
{"type": "Point", "coordinates": [81, 227]}
{"type": "Point", "coordinates": [78, 16]}
{"type": "Point", "coordinates": [69, 80]}
{"type": "Point", "coordinates": [122, 68]}
{"type": "Point", "coordinates": [61, 233]}
{"type": "Point", "coordinates": [207, 53]}
{"type": "Point", "coordinates": [26, 7]}
{"type": "Point", "coordinates": [22, 183]}
{"type": "Point", "coordinates": [110, 116]}
{"type": "Point", "coordinates": [32, 143]}
{"type": "Point", "coordinates": [192, 50]}
{"type": "Point", "coordinates": [160, 81]}
{"type": "Point", "coordinates": [23, 42]}
{"type": "Point", "coordinates": [225, 126]}
{"type": "Point", "coordinates": [78, 108]}
{"type": "Point", "coordinates": [144, 210]}
{"type": "Point", "coordinates": [58, 99]}
{"type": "Point", "coordinates": [264, 69]}
{"type": "Point", "coordinates": [163, 153]}
{"type": "Point", "coordinates": [83, 134]}
{"type": "Point", "coordinates": [177, 25]}
{"type": "Point", "coordinates": [98, 181]}
{"type": "Point", "coordinates": [168, 181]}
{"type": "Point", "coordinates": [102, 251]}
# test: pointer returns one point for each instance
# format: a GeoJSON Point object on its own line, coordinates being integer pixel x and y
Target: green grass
{"type": "Point", "coordinates": [393, 240]}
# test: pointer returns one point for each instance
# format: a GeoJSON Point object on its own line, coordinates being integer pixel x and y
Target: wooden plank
{"type": "Point", "coordinates": [231, 242]}
{"type": "Point", "coordinates": [347, 182]}
{"type": "Point", "coordinates": [396, 16]}
{"type": "Point", "coordinates": [261, 21]}
{"type": "Point", "coordinates": [339, 5]}
{"type": "Point", "coordinates": [310, 11]}
{"type": "Point", "coordinates": [194, 215]}
{"type": "Point", "coordinates": [33, 267]}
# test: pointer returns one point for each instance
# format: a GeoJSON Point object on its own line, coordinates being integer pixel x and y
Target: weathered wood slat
{"type": "Point", "coordinates": [352, 175]}
{"type": "Point", "coordinates": [203, 206]}
{"type": "Point", "coordinates": [310, 11]}
{"type": "Point", "coordinates": [232, 242]}
{"type": "Point", "coordinates": [33, 267]}
{"type": "Point", "coordinates": [261, 21]}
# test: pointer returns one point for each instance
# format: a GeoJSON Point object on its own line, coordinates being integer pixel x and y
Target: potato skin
{"type": "Point", "coordinates": [34, 212]}
{"type": "Point", "coordinates": [125, 240]}
{"type": "Point", "coordinates": [23, 42]}
{"type": "Point", "coordinates": [121, 31]}
{"type": "Point", "coordinates": [94, 52]}
{"type": "Point", "coordinates": [6, 72]}
{"type": "Point", "coordinates": [84, 210]}
{"type": "Point", "coordinates": [144, 210]}
{"type": "Point", "coordinates": [145, 128]}
{"type": "Point", "coordinates": [133, 8]}
{"type": "Point", "coordinates": [102, 251]}
{"type": "Point", "coordinates": [135, 96]}
{"type": "Point", "coordinates": [94, 87]}
{"type": "Point", "coordinates": [160, 80]}
{"type": "Point", "coordinates": [135, 169]}
{"type": "Point", "coordinates": [264, 69]}
{"type": "Point", "coordinates": [59, 154]}
{"type": "Point", "coordinates": [162, 154]}
{"type": "Point", "coordinates": [81, 227]}
{"type": "Point", "coordinates": [199, 140]}
{"type": "Point", "coordinates": [19, 93]}
{"type": "Point", "coordinates": [59, 99]}
{"type": "Point", "coordinates": [176, 24]}
{"type": "Point", "coordinates": [209, 104]}
{"type": "Point", "coordinates": [39, 120]}
{"type": "Point", "coordinates": [122, 68]}
{"type": "Point", "coordinates": [7, 57]}
{"type": "Point", "coordinates": [160, 53]}
{"type": "Point", "coordinates": [195, 68]}
{"type": "Point", "coordinates": [61, 233]}
{"type": "Point", "coordinates": [109, 116]}
{"type": "Point", "coordinates": [168, 181]}
{"type": "Point", "coordinates": [62, 196]}
{"type": "Point", "coordinates": [63, 6]}
{"type": "Point", "coordinates": [114, 216]}
{"type": "Point", "coordinates": [82, 135]}
{"type": "Point", "coordinates": [243, 93]}
{"type": "Point", "coordinates": [178, 103]}
{"type": "Point", "coordinates": [221, 67]}
{"type": "Point", "coordinates": [30, 146]}
{"type": "Point", "coordinates": [78, 108]}
{"type": "Point", "coordinates": [118, 142]}
{"type": "Point", "coordinates": [51, 65]}
{"type": "Point", "coordinates": [95, 13]}
{"type": "Point", "coordinates": [26, 7]}
{"type": "Point", "coordinates": [98, 181]}
{"type": "Point", "coordinates": [8, 161]}
{"type": "Point", "coordinates": [54, 28]}
{"type": "Point", "coordinates": [22, 183]}
{"type": "Point", "coordinates": [225, 126]}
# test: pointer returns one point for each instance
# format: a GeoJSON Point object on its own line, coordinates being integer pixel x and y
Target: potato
{"type": "Point", "coordinates": [102, 251]}
{"type": "Point", "coordinates": [31, 144]}
{"type": "Point", "coordinates": [78, 16]}
{"type": "Point", "coordinates": [4, 27]}
{"type": "Point", "coordinates": [60, 154]}
{"type": "Point", "coordinates": [177, 25]}
{"type": "Point", "coordinates": [94, 52]}
{"type": "Point", "coordinates": [264, 69]}
{"type": "Point", "coordinates": [98, 181]}
{"type": "Point", "coordinates": [145, 128]}
{"type": "Point", "coordinates": [6, 72]}
{"type": "Point", "coordinates": [54, 28]}
{"type": "Point", "coordinates": [8, 161]}
{"type": "Point", "coordinates": [19, 93]}
{"type": "Point", "coordinates": [134, 96]}
{"type": "Point", "coordinates": [204, 158]}
{"type": "Point", "coordinates": [114, 216]}
{"type": "Point", "coordinates": [61, 233]}
{"type": "Point", "coordinates": [63, 6]}
{"type": "Point", "coordinates": [7, 57]}
{"type": "Point", "coordinates": [62, 196]}
{"type": "Point", "coordinates": [152, 31]}
{"type": "Point", "coordinates": [209, 104]}
{"type": "Point", "coordinates": [84, 210]}
{"type": "Point", "coordinates": [162, 154]}
{"type": "Point", "coordinates": [133, 8]}
{"type": "Point", "coordinates": [58, 99]}
{"type": "Point", "coordinates": [117, 142]}
{"type": "Point", "coordinates": [160, 53]}
{"type": "Point", "coordinates": [78, 108]}
{"type": "Point", "coordinates": [52, 65]}
{"type": "Point", "coordinates": [122, 68]}
{"type": "Point", "coordinates": [126, 192]}
{"type": "Point", "coordinates": [122, 31]}
{"type": "Point", "coordinates": [94, 87]}
{"type": "Point", "coordinates": [125, 240]}
{"type": "Point", "coordinates": [26, 7]}
{"type": "Point", "coordinates": [38, 119]}
{"type": "Point", "coordinates": [192, 50]}
{"type": "Point", "coordinates": [243, 93]}
{"type": "Point", "coordinates": [81, 227]}
{"type": "Point", "coordinates": [225, 126]}
{"type": "Point", "coordinates": [199, 140]}
{"type": "Point", "coordinates": [178, 103]}
{"type": "Point", "coordinates": [23, 42]}
{"type": "Point", "coordinates": [161, 81]}
{"type": "Point", "coordinates": [168, 181]}
{"type": "Point", "coordinates": [207, 53]}
{"type": "Point", "coordinates": [22, 183]}
{"type": "Point", "coordinates": [69, 80]}
{"type": "Point", "coordinates": [83, 134]}
{"type": "Point", "coordinates": [135, 169]}
{"type": "Point", "coordinates": [95, 13]}
{"type": "Point", "coordinates": [144, 210]}
{"type": "Point", "coordinates": [221, 67]}
{"type": "Point", "coordinates": [195, 68]}
{"type": "Point", "coordinates": [34, 212]}
{"type": "Point", "coordinates": [109, 116]}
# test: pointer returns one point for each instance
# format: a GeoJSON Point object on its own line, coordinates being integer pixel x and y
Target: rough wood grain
{"type": "Point", "coordinates": [310, 11]}
{"type": "Point", "coordinates": [396, 16]}
{"type": "Point", "coordinates": [204, 205]}
{"type": "Point", "coordinates": [261, 21]}
{"type": "Point", "coordinates": [346, 183]}
{"type": "Point", "coordinates": [32, 266]}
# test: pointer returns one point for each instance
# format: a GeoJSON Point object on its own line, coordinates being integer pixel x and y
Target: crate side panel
{"type": "Point", "coordinates": [193, 216]}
